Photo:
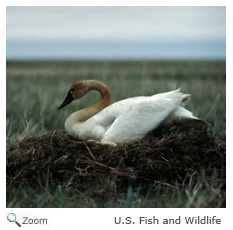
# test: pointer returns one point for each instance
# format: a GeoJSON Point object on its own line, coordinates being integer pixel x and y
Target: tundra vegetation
{"type": "Point", "coordinates": [36, 89]}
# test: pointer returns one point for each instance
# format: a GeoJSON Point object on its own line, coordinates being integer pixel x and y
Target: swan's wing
{"type": "Point", "coordinates": [110, 113]}
{"type": "Point", "coordinates": [132, 119]}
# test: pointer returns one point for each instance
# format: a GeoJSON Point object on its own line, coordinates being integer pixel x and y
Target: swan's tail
{"type": "Point", "coordinates": [184, 98]}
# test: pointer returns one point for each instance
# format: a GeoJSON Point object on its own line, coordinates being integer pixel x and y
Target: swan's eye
{"type": "Point", "coordinates": [72, 90]}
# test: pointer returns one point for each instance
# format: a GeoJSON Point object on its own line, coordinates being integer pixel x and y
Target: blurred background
{"type": "Point", "coordinates": [134, 50]}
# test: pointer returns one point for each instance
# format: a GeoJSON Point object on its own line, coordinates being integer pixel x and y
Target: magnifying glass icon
{"type": "Point", "coordinates": [11, 217]}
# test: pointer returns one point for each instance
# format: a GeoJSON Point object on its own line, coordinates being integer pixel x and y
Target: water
{"type": "Point", "coordinates": [116, 49]}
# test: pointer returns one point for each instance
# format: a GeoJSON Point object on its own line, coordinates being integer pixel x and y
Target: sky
{"type": "Point", "coordinates": [116, 32]}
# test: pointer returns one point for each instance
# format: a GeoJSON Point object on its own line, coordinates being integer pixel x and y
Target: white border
{"type": "Point", "coordinates": [3, 101]}
{"type": "Point", "coordinates": [116, 3]}
{"type": "Point", "coordinates": [103, 218]}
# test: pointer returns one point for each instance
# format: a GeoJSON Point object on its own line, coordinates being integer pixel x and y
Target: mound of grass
{"type": "Point", "coordinates": [174, 158]}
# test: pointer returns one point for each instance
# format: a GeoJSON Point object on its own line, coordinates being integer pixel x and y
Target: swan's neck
{"type": "Point", "coordinates": [85, 114]}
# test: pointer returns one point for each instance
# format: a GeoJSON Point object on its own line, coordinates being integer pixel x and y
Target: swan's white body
{"type": "Point", "coordinates": [130, 119]}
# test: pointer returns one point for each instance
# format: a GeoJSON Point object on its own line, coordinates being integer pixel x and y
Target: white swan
{"type": "Point", "coordinates": [126, 120]}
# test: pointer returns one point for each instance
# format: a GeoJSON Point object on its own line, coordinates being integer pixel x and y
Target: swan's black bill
{"type": "Point", "coordinates": [69, 98]}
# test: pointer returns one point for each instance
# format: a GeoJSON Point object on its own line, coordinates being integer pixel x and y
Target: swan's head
{"type": "Point", "coordinates": [77, 90]}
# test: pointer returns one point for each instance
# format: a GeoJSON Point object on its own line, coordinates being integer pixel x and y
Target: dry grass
{"type": "Point", "coordinates": [173, 158]}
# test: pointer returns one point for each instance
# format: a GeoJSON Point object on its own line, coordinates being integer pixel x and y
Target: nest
{"type": "Point", "coordinates": [58, 158]}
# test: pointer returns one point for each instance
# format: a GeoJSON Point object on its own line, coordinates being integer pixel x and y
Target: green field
{"type": "Point", "coordinates": [36, 89]}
